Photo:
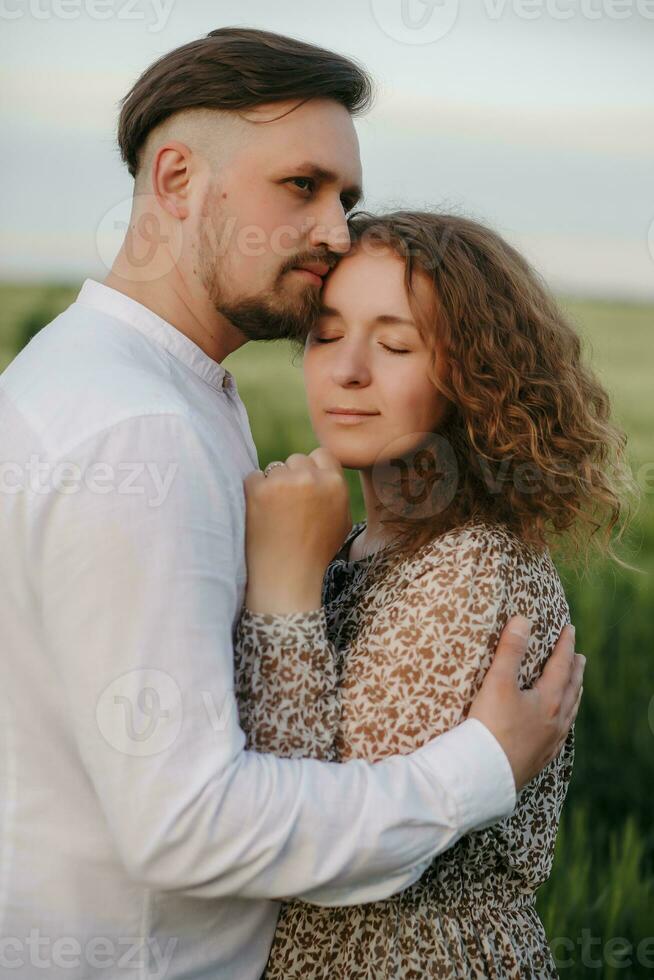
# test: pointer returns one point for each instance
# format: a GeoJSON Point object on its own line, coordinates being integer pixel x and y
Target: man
{"type": "Point", "coordinates": [139, 838]}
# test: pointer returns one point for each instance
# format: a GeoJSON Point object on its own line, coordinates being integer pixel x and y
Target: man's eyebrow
{"type": "Point", "coordinates": [383, 319]}
{"type": "Point", "coordinates": [354, 192]}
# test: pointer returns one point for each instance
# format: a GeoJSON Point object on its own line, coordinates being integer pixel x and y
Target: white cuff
{"type": "Point", "coordinates": [473, 768]}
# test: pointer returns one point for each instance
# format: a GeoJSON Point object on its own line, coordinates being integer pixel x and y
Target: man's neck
{"type": "Point", "coordinates": [195, 317]}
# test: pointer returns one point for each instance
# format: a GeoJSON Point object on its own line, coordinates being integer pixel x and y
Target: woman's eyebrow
{"type": "Point", "coordinates": [383, 319]}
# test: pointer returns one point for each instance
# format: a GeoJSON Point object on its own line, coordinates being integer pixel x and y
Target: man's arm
{"type": "Point", "coordinates": [137, 604]}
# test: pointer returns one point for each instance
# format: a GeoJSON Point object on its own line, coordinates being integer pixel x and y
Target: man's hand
{"type": "Point", "coordinates": [531, 725]}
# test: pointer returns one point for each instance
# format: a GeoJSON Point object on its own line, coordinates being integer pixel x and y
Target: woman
{"type": "Point", "coordinates": [479, 435]}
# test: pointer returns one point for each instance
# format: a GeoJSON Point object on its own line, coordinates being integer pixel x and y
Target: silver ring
{"type": "Point", "coordinates": [271, 466]}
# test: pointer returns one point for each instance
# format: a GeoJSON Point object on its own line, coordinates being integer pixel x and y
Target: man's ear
{"type": "Point", "coordinates": [170, 178]}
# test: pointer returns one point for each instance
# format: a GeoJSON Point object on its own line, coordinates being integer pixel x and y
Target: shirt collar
{"type": "Point", "coordinates": [104, 298]}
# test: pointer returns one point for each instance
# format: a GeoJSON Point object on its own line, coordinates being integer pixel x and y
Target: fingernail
{"type": "Point", "coordinates": [572, 630]}
{"type": "Point", "coordinates": [521, 626]}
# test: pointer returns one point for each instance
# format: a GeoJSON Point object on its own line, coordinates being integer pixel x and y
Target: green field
{"type": "Point", "coordinates": [598, 907]}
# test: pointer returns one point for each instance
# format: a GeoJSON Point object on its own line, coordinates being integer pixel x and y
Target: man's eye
{"type": "Point", "coordinates": [325, 340]}
{"type": "Point", "coordinates": [307, 181]}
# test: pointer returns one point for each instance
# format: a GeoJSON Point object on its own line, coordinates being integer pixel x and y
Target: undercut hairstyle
{"type": "Point", "coordinates": [236, 69]}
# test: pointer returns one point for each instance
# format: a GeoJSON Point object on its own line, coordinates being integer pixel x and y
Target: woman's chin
{"type": "Point", "coordinates": [353, 451]}
{"type": "Point", "coordinates": [349, 460]}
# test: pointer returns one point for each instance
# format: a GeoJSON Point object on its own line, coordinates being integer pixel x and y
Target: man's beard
{"type": "Point", "coordinates": [277, 314]}
{"type": "Point", "coordinates": [274, 315]}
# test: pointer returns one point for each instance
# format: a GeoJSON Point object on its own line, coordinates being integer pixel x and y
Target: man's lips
{"type": "Point", "coordinates": [319, 268]}
{"type": "Point", "coordinates": [316, 271]}
{"type": "Point", "coordinates": [311, 276]}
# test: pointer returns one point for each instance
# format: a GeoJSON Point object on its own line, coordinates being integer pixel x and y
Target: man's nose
{"type": "Point", "coordinates": [330, 229]}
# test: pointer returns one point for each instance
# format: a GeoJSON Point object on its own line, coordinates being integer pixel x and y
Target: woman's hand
{"type": "Point", "coordinates": [297, 518]}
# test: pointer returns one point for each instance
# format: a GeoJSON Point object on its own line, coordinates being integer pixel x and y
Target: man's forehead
{"type": "Point", "coordinates": [319, 133]}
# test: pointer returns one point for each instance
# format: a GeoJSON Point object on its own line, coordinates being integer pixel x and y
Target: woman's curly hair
{"type": "Point", "coordinates": [529, 423]}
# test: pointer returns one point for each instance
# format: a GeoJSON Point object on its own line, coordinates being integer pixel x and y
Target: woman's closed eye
{"type": "Point", "coordinates": [391, 350]}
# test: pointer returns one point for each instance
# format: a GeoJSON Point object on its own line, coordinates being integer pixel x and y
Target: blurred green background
{"type": "Point", "coordinates": [598, 906]}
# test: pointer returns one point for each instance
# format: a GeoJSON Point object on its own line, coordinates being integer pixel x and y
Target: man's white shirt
{"type": "Point", "coordinates": [138, 837]}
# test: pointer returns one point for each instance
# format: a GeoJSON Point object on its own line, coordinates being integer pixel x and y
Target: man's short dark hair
{"type": "Point", "coordinates": [236, 68]}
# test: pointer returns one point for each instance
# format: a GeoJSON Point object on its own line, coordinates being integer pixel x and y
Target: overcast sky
{"type": "Point", "coordinates": [536, 116]}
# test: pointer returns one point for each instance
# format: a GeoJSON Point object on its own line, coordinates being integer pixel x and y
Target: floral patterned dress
{"type": "Point", "coordinates": [393, 658]}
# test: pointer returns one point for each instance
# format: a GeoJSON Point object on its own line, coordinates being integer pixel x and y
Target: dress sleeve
{"type": "Point", "coordinates": [453, 611]}
{"type": "Point", "coordinates": [452, 615]}
{"type": "Point", "coordinates": [286, 684]}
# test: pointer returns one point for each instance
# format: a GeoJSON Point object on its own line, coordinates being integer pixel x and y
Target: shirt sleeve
{"type": "Point", "coordinates": [135, 574]}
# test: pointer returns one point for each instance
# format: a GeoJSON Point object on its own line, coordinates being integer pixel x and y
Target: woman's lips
{"type": "Point", "coordinates": [349, 416]}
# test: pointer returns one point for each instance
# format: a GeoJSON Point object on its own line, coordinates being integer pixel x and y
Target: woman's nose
{"type": "Point", "coordinates": [351, 368]}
